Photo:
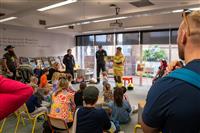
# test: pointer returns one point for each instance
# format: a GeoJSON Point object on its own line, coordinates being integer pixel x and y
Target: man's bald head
{"type": "Point", "coordinates": [189, 32]}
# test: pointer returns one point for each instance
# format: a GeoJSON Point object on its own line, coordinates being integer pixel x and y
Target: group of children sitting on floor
{"type": "Point", "coordinates": [63, 102]}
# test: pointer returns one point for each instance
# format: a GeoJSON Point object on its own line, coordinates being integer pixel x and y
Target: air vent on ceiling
{"type": "Point", "coordinates": [2, 14]}
{"type": "Point", "coordinates": [42, 22]}
{"type": "Point", "coordinates": [142, 3]}
{"type": "Point", "coordinates": [71, 27]}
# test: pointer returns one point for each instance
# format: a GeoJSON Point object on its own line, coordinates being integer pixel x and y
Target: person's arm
{"type": "Point", "coordinates": [105, 57]}
{"type": "Point", "coordinates": [148, 129]}
{"type": "Point", "coordinates": [5, 65]}
{"type": "Point", "coordinates": [105, 121]}
{"type": "Point", "coordinates": [128, 106]}
{"type": "Point", "coordinates": [156, 108]}
{"type": "Point", "coordinates": [13, 94]}
{"type": "Point", "coordinates": [97, 55]}
{"type": "Point", "coordinates": [105, 53]}
{"type": "Point", "coordinates": [65, 60]}
{"type": "Point", "coordinates": [73, 61]}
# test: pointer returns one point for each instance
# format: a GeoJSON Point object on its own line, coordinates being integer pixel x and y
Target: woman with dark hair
{"type": "Point", "coordinates": [78, 97]}
{"type": "Point", "coordinates": [120, 107]}
{"type": "Point", "coordinates": [161, 70]}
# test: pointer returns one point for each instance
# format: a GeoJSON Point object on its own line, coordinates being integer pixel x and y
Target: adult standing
{"type": "Point", "coordinates": [172, 104]}
{"type": "Point", "coordinates": [69, 62]}
{"type": "Point", "coordinates": [10, 61]}
{"type": "Point", "coordinates": [101, 64]}
{"type": "Point", "coordinates": [118, 66]}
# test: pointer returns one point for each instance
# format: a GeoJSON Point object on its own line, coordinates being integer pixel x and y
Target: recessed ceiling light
{"type": "Point", "coordinates": [57, 27]}
{"type": "Point", "coordinates": [56, 5]}
{"type": "Point", "coordinates": [94, 31]}
{"type": "Point", "coordinates": [87, 22]}
{"type": "Point", "coordinates": [7, 19]}
{"type": "Point", "coordinates": [110, 19]}
{"type": "Point", "coordinates": [195, 9]}
{"type": "Point", "coordinates": [176, 11]}
{"type": "Point", "coordinates": [139, 27]}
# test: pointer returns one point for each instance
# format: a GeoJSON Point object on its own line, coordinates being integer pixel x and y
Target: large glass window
{"type": "Point", "coordinates": [155, 37]}
{"type": "Point", "coordinates": [148, 52]}
{"type": "Point", "coordinates": [107, 39]}
{"type": "Point", "coordinates": [174, 34]}
{"type": "Point", "coordinates": [85, 40]}
{"type": "Point", "coordinates": [128, 39]}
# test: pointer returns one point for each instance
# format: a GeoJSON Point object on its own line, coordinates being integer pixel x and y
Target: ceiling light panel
{"type": "Point", "coordinates": [7, 19]}
{"type": "Point", "coordinates": [57, 27]}
{"type": "Point", "coordinates": [56, 5]}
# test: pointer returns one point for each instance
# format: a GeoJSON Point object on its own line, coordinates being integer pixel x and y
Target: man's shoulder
{"type": "Point", "coordinates": [165, 85]}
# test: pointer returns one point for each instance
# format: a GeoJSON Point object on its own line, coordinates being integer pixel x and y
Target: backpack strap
{"type": "Point", "coordinates": [186, 75]}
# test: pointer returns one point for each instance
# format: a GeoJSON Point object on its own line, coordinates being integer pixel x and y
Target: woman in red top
{"type": "Point", "coordinates": [13, 94]}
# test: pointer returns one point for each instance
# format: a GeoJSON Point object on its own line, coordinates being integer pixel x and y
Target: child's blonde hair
{"type": "Point", "coordinates": [33, 83]}
{"type": "Point", "coordinates": [55, 76]}
{"type": "Point", "coordinates": [62, 84]}
{"type": "Point", "coordinates": [33, 79]}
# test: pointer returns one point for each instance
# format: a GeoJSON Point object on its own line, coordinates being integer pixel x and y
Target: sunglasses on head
{"type": "Point", "coordinates": [185, 14]}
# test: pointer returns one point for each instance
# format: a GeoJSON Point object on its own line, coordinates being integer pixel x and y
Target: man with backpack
{"type": "Point", "coordinates": [173, 102]}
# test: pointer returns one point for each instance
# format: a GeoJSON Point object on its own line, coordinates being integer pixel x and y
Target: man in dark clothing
{"type": "Point", "coordinates": [10, 61]}
{"type": "Point", "coordinates": [69, 62]}
{"type": "Point", "coordinates": [100, 57]}
{"type": "Point", "coordinates": [173, 105]}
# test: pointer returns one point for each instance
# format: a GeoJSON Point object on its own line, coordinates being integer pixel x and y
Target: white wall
{"type": "Point", "coordinates": [31, 42]}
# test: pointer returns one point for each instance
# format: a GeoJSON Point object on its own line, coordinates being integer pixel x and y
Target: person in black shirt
{"type": "Point", "coordinates": [100, 57]}
{"type": "Point", "coordinates": [10, 61]}
{"type": "Point", "coordinates": [78, 97]}
{"type": "Point", "coordinates": [69, 62]}
{"type": "Point", "coordinates": [52, 70]}
{"type": "Point", "coordinates": [89, 118]}
{"type": "Point", "coordinates": [173, 105]}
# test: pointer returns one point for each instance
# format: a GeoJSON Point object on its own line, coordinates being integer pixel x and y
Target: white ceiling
{"type": "Point", "coordinates": [82, 10]}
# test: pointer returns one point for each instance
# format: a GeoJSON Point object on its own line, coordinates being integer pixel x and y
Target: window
{"type": "Point", "coordinates": [105, 39]}
{"type": "Point", "coordinates": [85, 40]}
{"type": "Point", "coordinates": [155, 37]}
{"type": "Point", "coordinates": [174, 34]}
{"type": "Point", "coordinates": [127, 38]}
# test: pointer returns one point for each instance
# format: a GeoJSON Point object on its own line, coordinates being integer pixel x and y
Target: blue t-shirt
{"type": "Point", "coordinates": [174, 105]}
{"type": "Point", "coordinates": [92, 120]}
{"type": "Point", "coordinates": [120, 114]}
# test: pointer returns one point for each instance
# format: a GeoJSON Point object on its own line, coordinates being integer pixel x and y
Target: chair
{"type": "Point", "coordinates": [127, 78]}
{"type": "Point", "coordinates": [22, 113]}
{"type": "Point", "coordinates": [2, 125]}
{"type": "Point", "coordinates": [57, 124]}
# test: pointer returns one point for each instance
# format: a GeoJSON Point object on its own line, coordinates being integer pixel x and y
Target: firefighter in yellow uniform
{"type": "Point", "coordinates": [118, 66]}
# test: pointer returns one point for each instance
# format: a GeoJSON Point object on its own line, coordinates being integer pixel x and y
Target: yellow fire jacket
{"type": "Point", "coordinates": [118, 65]}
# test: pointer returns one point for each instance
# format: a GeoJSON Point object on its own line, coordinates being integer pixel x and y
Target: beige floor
{"type": "Point", "coordinates": [136, 95]}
